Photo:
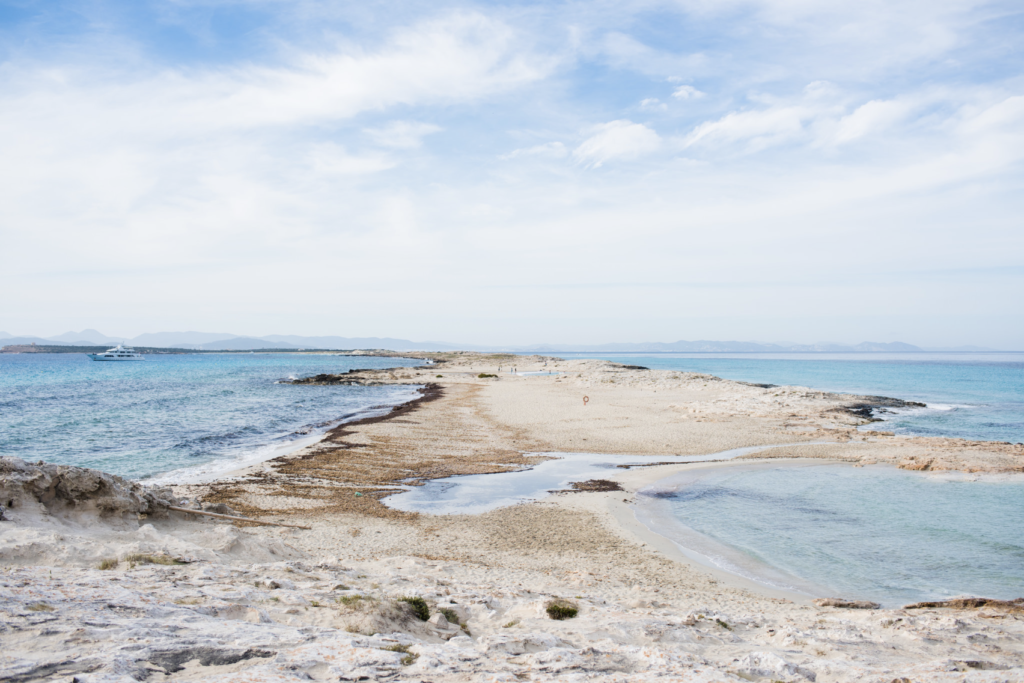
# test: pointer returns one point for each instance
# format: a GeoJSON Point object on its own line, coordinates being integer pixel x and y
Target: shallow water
{"type": "Point", "coordinates": [476, 493]}
{"type": "Point", "coordinates": [970, 396]}
{"type": "Point", "coordinates": [175, 413]}
{"type": "Point", "coordinates": [874, 533]}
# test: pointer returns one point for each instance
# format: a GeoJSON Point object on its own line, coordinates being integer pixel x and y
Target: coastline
{"type": "Point", "coordinates": [506, 422]}
{"type": "Point", "coordinates": [224, 470]}
{"type": "Point", "coordinates": [326, 601]}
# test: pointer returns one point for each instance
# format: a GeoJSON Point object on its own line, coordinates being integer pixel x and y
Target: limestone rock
{"type": "Point", "coordinates": [771, 665]}
{"type": "Point", "coordinates": [438, 621]}
{"type": "Point", "coordinates": [517, 644]}
{"type": "Point", "coordinates": [45, 488]}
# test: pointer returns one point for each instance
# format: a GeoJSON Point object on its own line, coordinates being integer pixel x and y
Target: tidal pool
{"type": "Point", "coordinates": [874, 533]}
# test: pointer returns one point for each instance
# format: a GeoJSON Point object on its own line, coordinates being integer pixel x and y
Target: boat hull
{"type": "Point", "coordinates": [99, 356]}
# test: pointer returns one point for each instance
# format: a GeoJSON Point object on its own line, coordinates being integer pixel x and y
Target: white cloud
{"type": "Point", "coordinates": [874, 116]}
{"type": "Point", "coordinates": [758, 128]}
{"type": "Point", "coordinates": [621, 139]}
{"type": "Point", "coordinates": [401, 134]}
{"type": "Point", "coordinates": [867, 34]}
{"type": "Point", "coordinates": [1007, 115]}
{"type": "Point", "coordinates": [461, 58]}
{"type": "Point", "coordinates": [553, 150]}
{"type": "Point", "coordinates": [653, 104]}
{"type": "Point", "coordinates": [687, 92]}
{"type": "Point", "coordinates": [332, 159]}
{"type": "Point", "coordinates": [626, 52]}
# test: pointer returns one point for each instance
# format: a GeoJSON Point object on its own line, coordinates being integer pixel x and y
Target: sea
{"type": "Point", "coordinates": [177, 417]}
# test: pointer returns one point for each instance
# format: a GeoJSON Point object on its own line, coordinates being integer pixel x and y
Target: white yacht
{"type": "Point", "coordinates": [117, 353]}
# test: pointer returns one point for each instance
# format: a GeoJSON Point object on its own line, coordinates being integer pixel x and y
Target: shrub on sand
{"type": "Point", "coordinates": [561, 609]}
{"type": "Point", "coordinates": [109, 563]}
{"type": "Point", "coordinates": [419, 607]}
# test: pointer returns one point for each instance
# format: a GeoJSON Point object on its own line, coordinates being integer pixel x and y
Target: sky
{"type": "Point", "coordinates": [515, 172]}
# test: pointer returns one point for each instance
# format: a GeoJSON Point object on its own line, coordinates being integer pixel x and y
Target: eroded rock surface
{"type": "Point", "coordinates": [331, 620]}
{"type": "Point", "coordinates": [74, 492]}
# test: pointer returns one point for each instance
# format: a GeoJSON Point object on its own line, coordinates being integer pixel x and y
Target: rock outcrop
{"type": "Point", "coordinates": [74, 492]}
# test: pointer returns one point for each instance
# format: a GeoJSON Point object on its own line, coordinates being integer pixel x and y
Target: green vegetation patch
{"type": "Point", "coordinates": [484, 375]}
{"type": "Point", "coordinates": [109, 563]}
{"type": "Point", "coordinates": [562, 609]}
{"type": "Point", "coordinates": [419, 607]}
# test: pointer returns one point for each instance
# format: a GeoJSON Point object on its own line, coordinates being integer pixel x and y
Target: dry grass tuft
{"type": "Point", "coordinates": [353, 600]}
{"type": "Point", "coordinates": [409, 657]}
{"type": "Point", "coordinates": [144, 558]}
{"type": "Point", "coordinates": [39, 607]}
{"type": "Point", "coordinates": [109, 563]}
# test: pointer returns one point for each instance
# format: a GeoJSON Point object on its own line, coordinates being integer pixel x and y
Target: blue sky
{"type": "Point", "coordinates": [515, 172]}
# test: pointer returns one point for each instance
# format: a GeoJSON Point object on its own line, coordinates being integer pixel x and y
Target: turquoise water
{"type": "Point", "coordinates": [874, 533]}
{"type": "Point", "coordinates": [178, 414]}
{"type": "Point", "coordinates": [969, 396]}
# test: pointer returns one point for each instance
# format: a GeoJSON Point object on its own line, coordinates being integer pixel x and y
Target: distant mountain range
{"type": "Point", "coordinates": [212, 341]}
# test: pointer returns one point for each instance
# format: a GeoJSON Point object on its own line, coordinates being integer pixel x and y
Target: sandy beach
{"type": "Point", "coordinates": [205, 598]}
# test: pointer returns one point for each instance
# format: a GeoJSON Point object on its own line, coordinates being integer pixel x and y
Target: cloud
{"type": "Point", "coordinates": [626, 52]}
{"type": "Point", "coordinates": [653, 104]}
{"type": "Point", "coordinates": [460, 58]}
{"type": "Point", "coordinates": [553, 150]}
{"type": "Point", "coordinates": [758, 128]}
{"type": "Point", "coordinates": [620, 139]}
{"type": "Point", "coordinates": [402, 134]}
{"type": "Point", "coordinates": [871, 117]}
{"type": "Point", "coordinates": [332, 159]}
{"type": "Point", "coordinates": [686, 92]}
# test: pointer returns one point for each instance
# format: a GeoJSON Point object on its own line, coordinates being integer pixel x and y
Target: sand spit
{"type": "Point", "coordinates": [188, 599]}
